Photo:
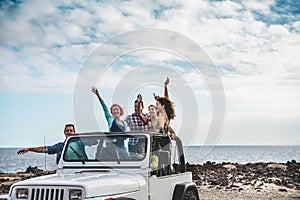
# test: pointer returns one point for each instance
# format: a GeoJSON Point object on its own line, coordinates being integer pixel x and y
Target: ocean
{"type": "Point", "coordinates": [10, 162]}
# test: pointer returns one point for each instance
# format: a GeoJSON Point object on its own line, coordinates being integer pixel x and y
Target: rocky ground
{"type": "Point", "coordinates": [6, 180]}
{"type": "Point", "coordinates": [220, 180]}
{"type": "Point", "coordinates": [247, 181]}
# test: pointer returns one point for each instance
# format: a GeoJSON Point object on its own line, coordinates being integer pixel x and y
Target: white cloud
{"type": "Point", "coordinates": [263, 6]}
{"type": "Point", "coordinates": [238, 40]}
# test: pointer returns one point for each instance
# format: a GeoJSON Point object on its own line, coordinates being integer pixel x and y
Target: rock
{"type": "Point", "coordinates": [33, 170]}
{"type": "Point", "coordinates": [282, 190]}
{"type": "Point", "coordinates": [208, 165]}
{"type": "Point", "coordinates": [223, 181]}
{"type": "Point", "coordinates": [4, 180]}
{"type": "Point", "coordinates": [277, 166]}
{"type": "Point", "coordinates": [253, 182]}
{"type": "Point", "coordinates": [258, 184]}
{"type": "Point", "coordinates": [198, 182]}
{"type": "Point", "coordinates": [234, 186]}
{"type": "Point", "coordinates": [229, 167]}
{"type": "Point", "coordinates": [4, 188]}
{"type": "Point", "coordinates": [196, 176]}
{"type": "Point", "coordinates": [218, 187]}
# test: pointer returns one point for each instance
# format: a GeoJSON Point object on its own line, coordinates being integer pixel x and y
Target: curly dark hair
{"type": "Point", "coordinates": [169, 107]}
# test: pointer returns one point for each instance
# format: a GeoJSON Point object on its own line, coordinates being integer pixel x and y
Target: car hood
{"type": "Point", "coordinates": [94, 184]}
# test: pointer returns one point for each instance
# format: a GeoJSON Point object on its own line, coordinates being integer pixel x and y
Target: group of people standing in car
{"type": "Point", "coordinates": [157, 120]}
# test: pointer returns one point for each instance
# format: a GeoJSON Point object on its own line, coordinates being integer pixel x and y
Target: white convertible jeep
{"type": "Point", "coordinates": [111, 166]}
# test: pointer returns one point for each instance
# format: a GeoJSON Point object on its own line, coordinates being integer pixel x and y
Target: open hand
{"type": "Point", "coordinates": [22, 151]}
{"type": "Point", "coordinates": [95, 91]}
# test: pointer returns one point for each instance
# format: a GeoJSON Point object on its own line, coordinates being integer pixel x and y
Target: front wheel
{"type": "Point", "coordinates": [190, 195]}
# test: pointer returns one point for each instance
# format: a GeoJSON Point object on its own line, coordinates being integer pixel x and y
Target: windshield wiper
{"type": "Point", "coordinates": [78, 155]}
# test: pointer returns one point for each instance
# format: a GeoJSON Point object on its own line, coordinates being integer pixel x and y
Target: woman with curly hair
{"type": "Point", "coordinates": [166, 113]}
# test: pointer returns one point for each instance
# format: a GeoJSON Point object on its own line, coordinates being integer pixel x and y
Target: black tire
{"type": "Point", "coordinates": [190, 195]}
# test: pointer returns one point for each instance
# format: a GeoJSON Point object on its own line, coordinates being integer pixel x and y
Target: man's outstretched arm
{"type": "Point", "coordinates": [41, 149]}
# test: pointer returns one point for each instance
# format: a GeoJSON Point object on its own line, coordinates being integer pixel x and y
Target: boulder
{"type": "Point", "coordinates": [277, 166]}
{"type": "Point", "coordinates": [230, 167]}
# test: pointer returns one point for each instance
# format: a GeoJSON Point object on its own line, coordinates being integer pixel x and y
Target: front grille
{"type": "Point", "coordinates": [47, 194]}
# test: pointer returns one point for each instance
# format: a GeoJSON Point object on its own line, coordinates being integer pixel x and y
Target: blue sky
{"type": "Point", "coordinates": [46, 46]}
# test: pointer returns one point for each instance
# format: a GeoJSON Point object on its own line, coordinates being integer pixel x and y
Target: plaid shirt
{"type": "Point", "coordinates": [136, 124]}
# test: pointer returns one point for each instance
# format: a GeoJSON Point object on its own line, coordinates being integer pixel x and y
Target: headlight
{"type": "Point", "coordinates": [22, 193]}
{"type": "Point", "coordinates": [75, 194]}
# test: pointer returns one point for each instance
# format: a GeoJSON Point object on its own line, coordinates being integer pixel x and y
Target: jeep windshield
{"type": "Point", "coordinates": [121, 147]}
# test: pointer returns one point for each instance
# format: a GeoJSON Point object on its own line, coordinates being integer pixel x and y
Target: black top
{"type": "Point", "coordinates": [116, 127]}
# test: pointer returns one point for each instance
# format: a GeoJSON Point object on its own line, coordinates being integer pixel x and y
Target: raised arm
{"type": "Point", "coordinates": [166, 93]}
{"type": "Point", "coordinates": [166, 88]}
{"type": "Point", "coordinates": [139, 110]}
{"type": "Point", "coordinates": [107, 114]}
{"type": "Point", "coordinates": [96, 92]}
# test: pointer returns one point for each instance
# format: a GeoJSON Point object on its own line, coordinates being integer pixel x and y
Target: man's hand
{"type": "Point", "coordinates": [139, 98]}
{"type": "Point", "coordinates": [22, 151]}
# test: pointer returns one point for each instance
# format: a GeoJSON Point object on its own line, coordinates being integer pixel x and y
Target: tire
{"type": "Point", "coordinates": [190, 195]}
{"type": "Point", "coordinates": [185, 191]}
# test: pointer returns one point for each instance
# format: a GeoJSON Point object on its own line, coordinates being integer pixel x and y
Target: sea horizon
{"type": "Point", "coordinates": [11, 162]}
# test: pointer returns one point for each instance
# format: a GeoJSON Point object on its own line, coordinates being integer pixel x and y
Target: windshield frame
{"type": "Point", "coordinates": [83, 139]}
